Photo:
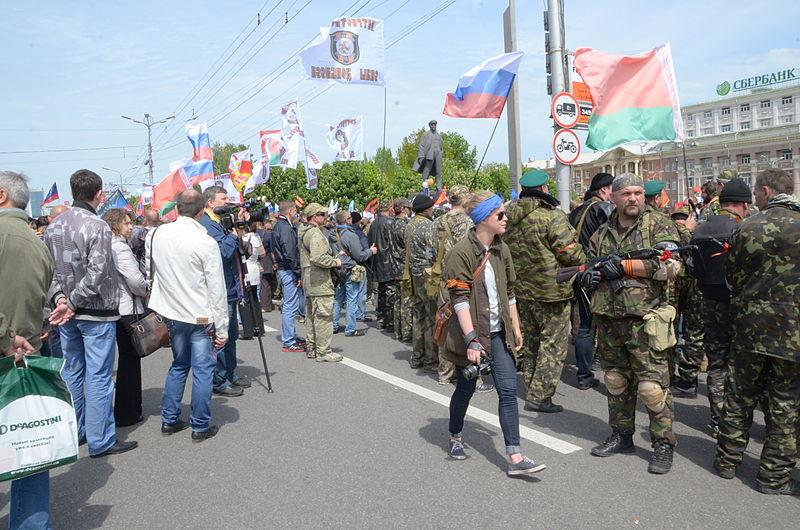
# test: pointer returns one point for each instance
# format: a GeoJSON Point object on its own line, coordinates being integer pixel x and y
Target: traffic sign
{"type": "Point", "coordinates": [565, 110]}
{"type": "Point", "coordinates": [566, 146]}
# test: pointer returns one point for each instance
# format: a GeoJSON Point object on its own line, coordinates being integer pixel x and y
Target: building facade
{"type": "Point", "coordinates": [747, 133]}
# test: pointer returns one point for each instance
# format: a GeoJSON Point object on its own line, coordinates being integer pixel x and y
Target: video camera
{"type": "Point", "coordinates": [473, 370]}
{"type": "Point", "coordinates": [228, 214]}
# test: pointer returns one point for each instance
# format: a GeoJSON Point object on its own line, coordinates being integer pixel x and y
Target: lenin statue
{"type": "Point", "coordinates": [429, 155]}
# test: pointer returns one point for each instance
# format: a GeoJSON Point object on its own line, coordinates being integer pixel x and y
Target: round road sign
{"type": "Point", "coordinates": [565, 110]}
{"type": "Point", "coordinates": [566, 146]}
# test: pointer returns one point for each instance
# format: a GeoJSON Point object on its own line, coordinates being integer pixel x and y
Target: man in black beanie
{"type": "Point", "coordinates": [712, 238]}
{"type": "Point", "coordinates": [586, 219]}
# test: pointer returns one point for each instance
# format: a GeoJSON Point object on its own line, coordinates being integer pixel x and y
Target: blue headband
{"type": "Point", "coordinates": [485, 209]}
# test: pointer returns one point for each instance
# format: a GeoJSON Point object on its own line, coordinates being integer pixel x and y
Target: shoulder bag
{"type": "Point", "coordinates": [149, 331]}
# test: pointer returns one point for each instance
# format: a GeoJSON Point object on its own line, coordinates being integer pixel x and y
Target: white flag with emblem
{"type": "Point", "coordinates": [292, 135]}
{"type": "Point", "coordinates": [347, 139]}
{"type": "Point", "coordinates": [349, 51]}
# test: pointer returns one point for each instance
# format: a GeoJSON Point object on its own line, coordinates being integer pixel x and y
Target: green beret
{"type": "Point", "coordinates": [533, 178]}
{"type": "Point", "coordinates": [653, 187]}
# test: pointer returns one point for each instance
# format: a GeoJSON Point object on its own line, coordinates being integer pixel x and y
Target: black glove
{"type": "Point", "coordinates": [611, 269]}
{"type": "Point", "coordinates": [588, 279]}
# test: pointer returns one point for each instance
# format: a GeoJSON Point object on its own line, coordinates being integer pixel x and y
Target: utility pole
{"type": "Point", "coordinates": [512, 114]}
{"type": "Point", "coordinates": [148, 122]}
{"type": "Point", "coordinates": [558, 81]}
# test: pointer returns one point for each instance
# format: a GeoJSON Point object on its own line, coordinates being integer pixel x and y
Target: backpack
{"type": "Point", "coordinates": [434, 279]}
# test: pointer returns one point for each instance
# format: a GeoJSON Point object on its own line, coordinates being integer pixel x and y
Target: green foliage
{"type": "Point", "coordinates": [222, 156]}
{"type": "Point", "coordinates": [383, 176]}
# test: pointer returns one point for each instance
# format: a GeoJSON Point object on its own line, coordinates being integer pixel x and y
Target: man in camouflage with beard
{"type": "Point", "coordinates": [542, 241]}
{"type": "Point", "coordinates": [402, 303]}
{"type": "Point", "coordinates": [763, 271]}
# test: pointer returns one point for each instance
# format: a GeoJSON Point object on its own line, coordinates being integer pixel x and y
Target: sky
{"type": "Point", "coordinates": [72, 69]}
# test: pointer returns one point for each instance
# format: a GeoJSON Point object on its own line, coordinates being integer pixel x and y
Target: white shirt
{"type": "Point", "coordinates": [189, 285]}
{"type": "Point", "coordinates": [253, 268]}
{"type": "Point", "coordinates": [495, 324]}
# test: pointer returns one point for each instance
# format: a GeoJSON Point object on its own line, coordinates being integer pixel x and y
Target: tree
{"type": "Point", "coordinates": [222, 156]}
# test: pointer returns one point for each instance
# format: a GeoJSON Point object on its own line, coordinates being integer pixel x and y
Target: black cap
{"type": "Point", "coordinates": [355, 217]}
{"type": "Point", "coordinates": [421, 202]}
{"type": "Point", "coordinates": [736, 190]}
{"type": "Point", "coordinates": [601, 180]}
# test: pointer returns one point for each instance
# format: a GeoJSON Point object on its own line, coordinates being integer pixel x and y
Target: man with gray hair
{"type": "Point", "coordinates": [189, 291]}
{"type": "Point", "coordinates": [634, 322]}
{"type": "Point", "coordinates": [26, 270]}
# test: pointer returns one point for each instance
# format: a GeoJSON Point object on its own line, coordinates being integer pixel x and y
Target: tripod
{"type": "Point", "coordinates": [253, 316]}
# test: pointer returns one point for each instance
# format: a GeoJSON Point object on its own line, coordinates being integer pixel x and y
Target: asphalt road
{"type": "Point", "coordinates": [362, 444]}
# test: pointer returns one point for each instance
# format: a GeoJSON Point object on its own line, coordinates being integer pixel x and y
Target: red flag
{"type": "Point", "coordinates": [165, 192]}
{"type": "Point", "coordinates": [372, 206]}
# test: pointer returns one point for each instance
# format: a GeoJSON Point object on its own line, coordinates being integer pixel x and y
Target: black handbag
{"type": "Point", "coordinates": [148, 332]}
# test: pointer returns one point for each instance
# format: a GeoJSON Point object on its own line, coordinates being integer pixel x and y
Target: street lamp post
{"type": "Point", "coordinates": [118, 173]}
{"type": "Point", "coordinates": [148, 122]}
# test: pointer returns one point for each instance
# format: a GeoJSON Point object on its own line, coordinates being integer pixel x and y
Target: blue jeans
{"type": "Point", "coordinates": [347, 296]}
{"type": "Point", "coordinates": [584, 342]}
{"type": "Point", "coordinates": [30, 503]}
{"type": "Point", "coordinates": [361, 308]}
{"type": "Point", "coordinates": [291, 305]}
{"type": "Point", "coordinates": [191, 348]}
{"type": "Point", "coordinates": [225, 371]}
{"type": "Point", "coordinates": [504, 372]}
{"type": "Point", "coordinates": [89, 362]}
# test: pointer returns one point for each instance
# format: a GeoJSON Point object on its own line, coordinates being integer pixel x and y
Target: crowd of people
{"type": "Point", "coordinates": [474, 285]}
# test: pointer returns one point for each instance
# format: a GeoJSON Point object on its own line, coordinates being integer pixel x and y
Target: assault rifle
{"type": "Point", "coordinates": [662, 251]}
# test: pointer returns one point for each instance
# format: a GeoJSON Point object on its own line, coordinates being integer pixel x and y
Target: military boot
{"type": "Point", "coordinates": [616, 443]}
{"type": "Point", "coordinates": [661, 459]}
{"type": "Point", "coordinates": [792, 487]}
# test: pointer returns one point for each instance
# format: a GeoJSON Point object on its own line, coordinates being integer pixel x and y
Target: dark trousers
{"type": "Point", "coordinates": [504, 372]}
{"type": "Point", "coordinates": [584, 341]}
{"type": "Point", "coordinates": [267, 280]}
{"type": "Point", "coordinates": [128, 394]}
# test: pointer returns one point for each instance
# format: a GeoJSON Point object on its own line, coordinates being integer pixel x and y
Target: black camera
{"type": "Point", "coordinates": [227, 219]}
{"type": "Point", "coordinates": [473, 370]}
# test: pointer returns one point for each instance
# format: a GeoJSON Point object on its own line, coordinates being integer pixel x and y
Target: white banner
{"type": "Point", "coordinates": [223, 181]}
{"type": "Point", "coordinates": [292, 135]}
{"type": "Point", "coordinates": [313, 163]}
{"type": "Point", "coordinates": [347, 139]}
{"type": "Point", "coordinates": [260, 175]}
{"type": "Point", "coordinates": [349, 51]}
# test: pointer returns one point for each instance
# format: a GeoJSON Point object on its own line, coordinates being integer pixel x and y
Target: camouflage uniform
{"type": "Point", "coordinates": [387, 266]}
{"type": "Point", "coordinates": [401, 311]}
{"type": "Point", "coordinates": [689, 298]}
{"type": "Point", "coordinates": [763, 270]}
{"type": "Point", "coordinates": [630, 364]}
{"type": "Point", "coordinates": [449, 228]}
{"type": "Point", "coordinates": [712, 208]}
{"type": "Point", "coordinates": [420, 252]}
{"type": "Point", "coordinates": [542, 241]}
{"type": "Point", "coordinates": [316, 260]}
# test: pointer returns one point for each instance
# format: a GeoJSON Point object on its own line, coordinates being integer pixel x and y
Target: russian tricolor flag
{"type": "Point", "coordinates": [201, 143]}
{"type": "Point", "coordinates": [199, 171]}
{"type": "Point", "coordinates": [52, 195]}
{"type": "Point", "coordinates": [482, 91]}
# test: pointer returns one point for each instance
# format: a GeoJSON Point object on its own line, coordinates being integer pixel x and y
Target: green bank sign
{"type": "Point", "coordinates": [747, 83]}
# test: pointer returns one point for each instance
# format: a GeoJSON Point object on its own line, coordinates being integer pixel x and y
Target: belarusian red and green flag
{"type": "Point", "coordinates": [634, 96]}
{"type": "Point", "coordinates": [166, 191]}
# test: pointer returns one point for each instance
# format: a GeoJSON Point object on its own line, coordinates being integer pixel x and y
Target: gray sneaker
{"type": "Point", "coordinates": [456, 450]}
{"type": "Point", "coordinates": [525, 466]}
{"type": "Point", "coordinates": [329, 358]}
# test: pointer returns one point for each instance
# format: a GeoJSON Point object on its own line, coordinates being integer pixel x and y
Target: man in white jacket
{"type": "Point", "coordinates": [188, 290]}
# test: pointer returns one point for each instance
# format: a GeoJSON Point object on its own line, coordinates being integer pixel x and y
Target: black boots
{"type": "Point", "coordinates": [661, 459]}
{"type": "Point", "coordinates": [616, 443]}
{"type": "Point", "coordinates": [545, 405]}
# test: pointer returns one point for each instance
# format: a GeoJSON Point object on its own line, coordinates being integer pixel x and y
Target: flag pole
{"type": "Point", "coordinates": [475, 177]}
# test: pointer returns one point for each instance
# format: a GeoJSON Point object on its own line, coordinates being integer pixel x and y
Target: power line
{"type": "Point", "coordinates": [64, 130]}
{"type": "Point", "coordinates": [69, 150]}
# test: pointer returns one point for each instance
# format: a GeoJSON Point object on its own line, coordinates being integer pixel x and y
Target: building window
{"type": "Point", "coordinates": [766, 104]}
{"type": "Point", "coordinates": [786, 100]}
{"type": "Point", "coordinates": [725, 162]}
{"type": "Point", "coordinates": [707, 114]}
{"type": "Point", "coordinates": [789, 118]}
{"type": "Point", "coordinates": [766, 122]}
{"type": "Point", "coordinates": [726, 111]}
{"type": "Point", "coordinates": [744, 159]}
{"type": "Point", "coordinates": [763, 156]}
{"type": "Point", "coordinates": [690, 134]}
{"type": "Point", "coordinates": [744, 125]}
{"type": "Point", "coordinates": [690, 117]}
{"type": "Point", "coordinates": [706, 162]}
{"type": "Point", "coordinates": [726, 128]}
{"type": "Point", "coordinates": [745, 107]}
{"type": "Point", "coordinates": [689, 164]}
{"type": "Point", "coordinates": [786, 154]}
{"type": "Point", "coordinates": [708, 130]}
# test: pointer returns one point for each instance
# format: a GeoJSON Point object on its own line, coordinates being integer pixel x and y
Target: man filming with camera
{"type": "Point", "coordinates": [226, 381]}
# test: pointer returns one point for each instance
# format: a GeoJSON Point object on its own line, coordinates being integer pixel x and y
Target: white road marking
{"type": "Point", "coordinates": [533, 435]}
{"type": "Point", "coordinates": [269, 329]}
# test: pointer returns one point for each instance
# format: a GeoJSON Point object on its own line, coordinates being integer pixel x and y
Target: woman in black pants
{"type": "Point", "coordinates": [132, 290]}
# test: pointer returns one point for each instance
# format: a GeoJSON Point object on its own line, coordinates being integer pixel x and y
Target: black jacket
{"type": "Point", "coordinates": [284, 246]}
{"type": "Point", "coordinates": [387, 264]}
{"type": "Point", "coordinates": [599, 212]}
